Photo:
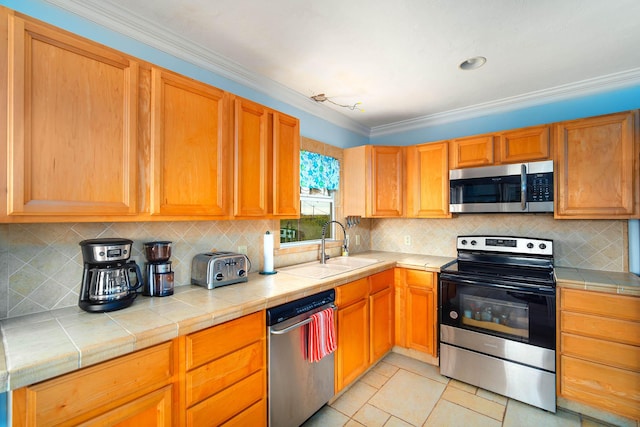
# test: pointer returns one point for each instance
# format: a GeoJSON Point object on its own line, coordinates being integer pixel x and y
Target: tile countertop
{"type": "Point", "coordinates": [598, 281]}
{"type": "Point", "coordinates": [44, 345]}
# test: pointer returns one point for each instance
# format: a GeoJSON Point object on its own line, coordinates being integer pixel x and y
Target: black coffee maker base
{"type": "Point", "coordinates": [91, 307]}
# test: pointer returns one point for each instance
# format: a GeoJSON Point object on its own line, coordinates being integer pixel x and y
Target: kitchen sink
{"type": "Point", "coordinates": [334, 266]}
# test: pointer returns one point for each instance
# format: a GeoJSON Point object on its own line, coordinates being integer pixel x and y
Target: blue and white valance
{"type": "Point", "coordinates": [318, 171]}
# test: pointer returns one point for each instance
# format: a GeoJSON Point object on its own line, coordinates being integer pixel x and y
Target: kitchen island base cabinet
{"type": "Point", "coordinates": [599, 357]}
{"type": "Point", "coordinates": [136, 389]}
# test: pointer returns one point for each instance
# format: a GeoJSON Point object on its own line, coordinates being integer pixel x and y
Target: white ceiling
{"type": "Point", "coordinates": [398, 58]}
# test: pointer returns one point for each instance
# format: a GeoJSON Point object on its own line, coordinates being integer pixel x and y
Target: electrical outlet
{"type": "Point", "coordinates": [407, 240]}
{"type": "Point", "coordinates": [357, 240]}
{"type": "Point", "coordinates": [242, 250]}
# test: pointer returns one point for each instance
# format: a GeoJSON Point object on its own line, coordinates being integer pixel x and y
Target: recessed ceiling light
{"type": "Point", "coordinates": [473, 63]}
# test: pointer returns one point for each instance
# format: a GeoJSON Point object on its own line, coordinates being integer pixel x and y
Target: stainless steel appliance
{"type": "Point", "coordinates": [159, 278]}
{"type": "Point", "coordinates": [525, 187]}
{"type": "Point", "coordinates": [497, 311]}
{"type": "Point", "coordinates": [213, 269]}
{"type": "Point", "coordinates": [106, 282]}
{"type": "Point", "coordinates": [297, 388]}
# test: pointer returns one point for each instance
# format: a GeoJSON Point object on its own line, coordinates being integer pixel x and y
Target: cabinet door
{"type": "Point", "coordinates": [250, 159]}
{"type": "Point", "coordinates": [428, 181]}
{"type": "Point", "coordinates": [286, 166]}
{"type": "Point", "coordinates": [598, 173]}
{"type": "Point", "coordinates": [420, 310]}
{"type": "Point", "coordinates": [190, 147]}
{"type": "Point", "coordinates": [387, 181]}
{"type": "Point", "coordinates": [381, 315]}
{"type": "Point", "coordinates": [524, 145]}
{"type": "Point", "coordinates": [471, 152]}
{"type": "Point", "coordinates": [352, 356]}
{"type": "Point", "coordinates": [73, 131]}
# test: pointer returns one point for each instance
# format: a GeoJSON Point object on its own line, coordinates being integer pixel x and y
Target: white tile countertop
{"type": "Point", "coordinates": [44, 345]}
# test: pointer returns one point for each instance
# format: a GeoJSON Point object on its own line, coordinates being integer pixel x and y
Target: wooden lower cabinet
{"type": "Point", "coordinates": [416, 313]}
{"type": "Point", "coordinates": [136, 389]}
{"type": "Point", "coordinates": [213, 377]}
{"type": "Point", "coordinates": [599, 350]}
{"type": "Point", "coordinates": [381, 314]}
{"type": "Point", "coordinates": [352, 355]}
{"type": "Point", "coordinates": [226, 372]}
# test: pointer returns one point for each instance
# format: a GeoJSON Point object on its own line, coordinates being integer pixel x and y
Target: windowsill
{"type": "Point", "coordinates": [306, 247]}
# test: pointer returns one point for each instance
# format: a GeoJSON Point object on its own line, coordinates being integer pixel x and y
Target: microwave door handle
{"type": "Point", "coordinates": [523, 187]}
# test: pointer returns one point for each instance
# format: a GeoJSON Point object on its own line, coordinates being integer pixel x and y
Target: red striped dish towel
{"type": "Point", "coordinates": [322, 335]}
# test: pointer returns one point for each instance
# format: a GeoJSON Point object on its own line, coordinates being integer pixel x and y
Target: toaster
{"type": "Point", "coordinates": [213, 269]}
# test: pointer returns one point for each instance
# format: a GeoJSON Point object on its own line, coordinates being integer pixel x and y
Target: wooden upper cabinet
{"type": "Point", "coordinates": [190, 147]}
{"type": "Point", "coordinates": [250, 159]}
{"type": "Point", "coordinates": [525, 145]}
{"type": "Point", "coordinates": [72, 134]}
{"type": "Point", "coordinates": [428, 180]}
{"type": "Point", "coordinates": [597, 173]}
{"type": "Point", "coordinates": [286, 165]}
{"type": "Point", "coordinates": [267, 162]}
{"type": "Point", "coordinates": [374, 181]}
{"type": "Point", "coordinates": [471, 152]}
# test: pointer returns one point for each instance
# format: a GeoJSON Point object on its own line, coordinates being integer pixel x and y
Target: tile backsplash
{"type": "Point", "coordinates": [591, 244]}
{"type": "Point", "coordinates": [41, 264]}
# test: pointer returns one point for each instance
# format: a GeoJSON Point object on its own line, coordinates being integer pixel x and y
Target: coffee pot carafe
{"type": "Point", "coordinates": [107, 277]}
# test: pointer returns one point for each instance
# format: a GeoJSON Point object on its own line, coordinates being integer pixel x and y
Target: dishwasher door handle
{"type": "Point", "coordinates": [295, 325]}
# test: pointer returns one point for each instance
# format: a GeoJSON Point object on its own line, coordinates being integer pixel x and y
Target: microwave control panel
{"type": "Point", "coordinates": [540, 187]}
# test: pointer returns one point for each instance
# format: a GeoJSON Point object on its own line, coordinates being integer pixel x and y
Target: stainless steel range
{"type": "Point", "coordinates": [497, 310]}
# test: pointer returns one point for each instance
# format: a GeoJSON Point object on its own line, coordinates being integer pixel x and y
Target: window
{"type": "Point", "coordinates": [319, 178]}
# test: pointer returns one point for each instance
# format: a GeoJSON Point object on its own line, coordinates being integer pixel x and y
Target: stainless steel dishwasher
{"type": "Point", "coordinates": [297, 388]}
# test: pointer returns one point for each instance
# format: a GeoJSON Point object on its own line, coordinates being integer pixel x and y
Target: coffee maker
{"type": "Point", "coordinates": [158, 274]}
{"type": "Point", "coordinates": [106, 281]}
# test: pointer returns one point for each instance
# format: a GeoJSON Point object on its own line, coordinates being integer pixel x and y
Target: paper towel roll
{"type": "Point", "coordinates": [268, 253]}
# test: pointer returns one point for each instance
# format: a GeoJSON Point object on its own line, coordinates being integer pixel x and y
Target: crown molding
{"type": "Point", "coordinates": [141, 29]}
{"type": "Point", "coordinates": [138, 28]}
{"type": "Point", "coordinates": [592, 86]}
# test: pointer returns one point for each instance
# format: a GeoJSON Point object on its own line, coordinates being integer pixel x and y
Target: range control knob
{"type": "Point", "coordinates": [464, 241]}
{"type": "Point", "coordinates": [241, 273]}
{"type": "Point", "coordinates": [530, 245]}
{"type": "Point", "coordinates": [473, 243]}
{"type": "Point", "coordinates": [543, 246]}
{"type": "Point", "coordinates": [219, 276]}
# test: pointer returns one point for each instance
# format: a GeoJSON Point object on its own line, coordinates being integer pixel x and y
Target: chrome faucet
{"type": "Point", "coordinates": [323, 254]}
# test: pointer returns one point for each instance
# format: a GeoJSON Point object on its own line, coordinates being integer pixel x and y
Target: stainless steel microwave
{"type": "Point", "coordinates": [522, 187]}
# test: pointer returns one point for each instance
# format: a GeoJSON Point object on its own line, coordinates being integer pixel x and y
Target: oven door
{"type": "Point", "coordinates": [514, 312]}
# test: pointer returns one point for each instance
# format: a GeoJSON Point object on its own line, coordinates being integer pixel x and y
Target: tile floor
{"type": "Point", "coordinates": [402, 392]}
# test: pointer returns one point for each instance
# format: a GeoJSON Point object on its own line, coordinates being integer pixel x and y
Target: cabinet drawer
{"type": "Point", "coordinates": [616, 306]}
{"type": "Point", "coordinates": [381, 281]}
{"type": "Point", "coordinates": [610, 353]}
{"type": "Point", "coordinates": [621, 331]}
{"type": "Point", "coordinates": [254, 416]}
{"type": "Point", "coordinates": [221, 373]}
{"type": "Point", "coordinates": [616, 390]}
{"type": "Point", "coordinates": [228, 403]}
{"type": "Point", "coordinates": [421, 279]}
{"type": "Point", "coordinates": [219, 340]}
{"type": "Point", "coordinates": [67, 397]}
{"type": "Point", "coordinates": [352, 292]}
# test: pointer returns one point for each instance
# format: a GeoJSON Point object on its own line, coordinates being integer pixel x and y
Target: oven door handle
{"type": "Point", "coordinates": [523, 187]}
{"type": "Point", "coordinates": [539, 289]}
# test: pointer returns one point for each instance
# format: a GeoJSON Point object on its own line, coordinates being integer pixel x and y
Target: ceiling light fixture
{"type": "Point", "coordinates": [321, 97]}
{"type": "Point", "coordinates": [473, 63]}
